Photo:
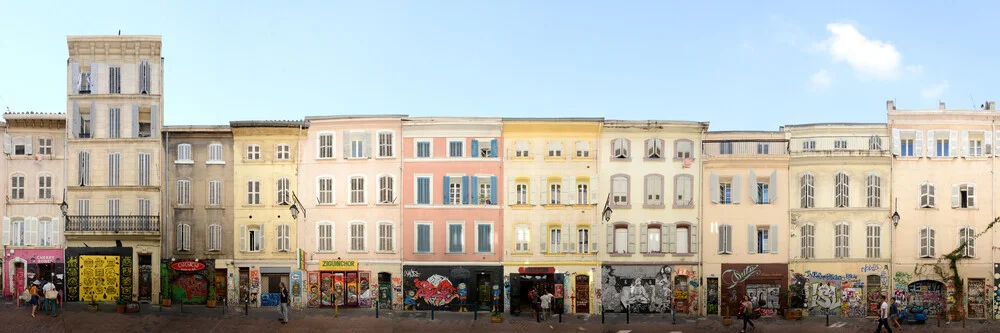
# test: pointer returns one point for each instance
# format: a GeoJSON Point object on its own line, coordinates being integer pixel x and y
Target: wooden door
{"type": "Point", "coordinates": [582, 294]}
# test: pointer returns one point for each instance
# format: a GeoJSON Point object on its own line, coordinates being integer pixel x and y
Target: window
{"type": "Point", "coordinates": [183, 237]}
{"type": "Point", "coordinates": [284, 238]}
{"type": "Point", "coordinates": [115, 123]}
{"type": "Point", "coordinates": [653, 239]}
{"type": "Point", "coordinates": [555, 149]}
{"type": "Point", "coordinates": [725, 193]}
{"type": "Point", "coordinates": [283, 189]}
{"type": "Point", "coordinates": [455, 191]}
{"type": "Point", "coordinates": [762, 240]}
{"type": "Point", "coordinates": [214, 237]}
{"type": "Point", "coordinates": [144, 169]}
{"type": "Point", "coordinates": [654, 149]}
{"type": "Point", "coordinates": [807, 191]}
{"type": "Point", "coordinates": [17, 232]}
{"type": "Point", "coordinates": [183, 153]}
{"type": "Point", "coordinates": [683, 191]}
{"type": "Point", "coordinates": [325, 145]}
{"type": "Point", "coordinates": [44, 187]}
{"type": "Point", "coordinates": [808, 241]}
{"type": "Point", "coordinates": [583, 240]}
{"type": "Point", "coordinates": [521, 149]}
{"type": "Point", "coordinates": [761, 193]}
{"type": "Point", "coordinates": [423, 235]}
{"type": "Point", "coordinates": [967, 237]}
{"type": "Point", "coordinates": [324, 232]}
{"type": "Point", "coordinates": [283, 152]}
{"type": "Point", "coordinates": [809, 145]}
{"type": "Point", "coordinates": [906, 147]}
{"type": "Point", "coordinates": [654, 191]}
{"type": "Point", "coordinates": [455, 148]}
{"type": "Point", "coordinates": [83, 207]}
{"type": "Point", "coordinates": [386, 194]}
{"type": "Point", "coordinates": [725, 239]}
{"type": "Point", "coordinates": [358, 143]}
{"type": "Point", "coordinates": [86, 81]}
{"type": "Point", "coordinates": [874, 191]}
{"type": "Point", "coordinates": [873, 243]}
{"type": "Point", "coordinates": [358, 189]}
{"type": "Point", "coordinates": [144, 206]}
{"type": "Point", "coordinates": [456, 239]}
{"type": "Point", "coordinates": [975, 147]}
{"type": "Point", "coordinates": [17, 187]}
{"type": "Point", "coordinates": [85, 128]}
{"type": "Point", "coordinates": [114, 207]}
{"type": "Point", "coordinates": [521, 193]}
{"type": "Point", "coordinates": [484, 238]}
{"type": "Point", "coordinates": [215, 153]}
{"type": "Point", "coordinates": [485, 147]}
{"type": "Point", "coordinates": [46, 232]}
{"type": "Point", "coordinates": [582, 193]}
{"type": "Point", "coordinates": [927, 195]}
{"type": "Point", "coordinates": [619, 190]}
{"type": "Point", "coordinates": [842, 236]}
{"type": "Point", "coordinates": [115, 80]}
{"type": "Point", "coordinates": [582, 149]}
{"type": "Point", "coordinates": [683, 149]}
{"type": "Point", "coordinates": [145, 77]}
{"type": "Point", "coordinates": [966, 195]}
{"type": "Point", "coordinates": [255, 239]}
{"type": "Point", "coordinates": [927, 241]}
{"type": "Point", "coordinates": [485, 191]}
{"type": "Point", "coordinates": [325, 185]}
{"type": "Point", "coordinates": [423, 149]}
{"type": "Point", "coordinates": [357, 236]}
{"type": "Point", "coordinates": [423, 190]}
{"type": "Point", "coordinates": [521, 238]}
{"type": "Point", "coordinates": [385, 237]}
{"type": "Point", "coordinates": [621, 239]}
{"type": "Point", "coordinates": [763, 148]}
{"type": "Point", "coordinates": [842, 190]}
{"type": "Point", "coordinates": [555, 238]}
{"type": "Point", "coordinates": [942, 146]}
{"type": "Point", "coordinates": [183, 192]}
{"type": "Point", "coordinates": [253, 152]}
{"type": "Point", "coordinates": [683, 239]}
{"type": "Point", "coordinates": [619, 149]}
{"type": "Point", "coordinates": [114, 169]}
{"type": "Point", "coordinates": [840, 144]}
{"type": "Point", "coordinates": [385, 144]}
{"type": "Point", "coordinates": [215, 193]}
{"type": "Point", "coordinates": [253, 192]}
{"type": "Point", "coordinates": [555, 193]}
{"type": "Point", "coordinates": [44, 146]}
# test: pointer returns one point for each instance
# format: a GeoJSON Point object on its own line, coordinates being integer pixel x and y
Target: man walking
{"type": "Point", "coordinates": [883, 317]}
{"type": "Point", "coordinates": [49, 290]}
{"type": "Point", "coordinates": [283, 307]}
{"type": "Point", "coordinates": [546, 304]}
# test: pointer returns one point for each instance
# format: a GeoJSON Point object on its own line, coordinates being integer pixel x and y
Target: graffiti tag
{"type": "Point", "coordinates": [736, 278]}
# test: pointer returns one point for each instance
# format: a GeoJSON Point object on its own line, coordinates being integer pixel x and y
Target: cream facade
{"type": "Point", "coordinates": [651, 171]}
{"type": "Point", "coordinates": [840, 185]}
{"type": "Point", "coordinates": [114, 106]}
{"type": "Point", "coordinates": [552, 213]}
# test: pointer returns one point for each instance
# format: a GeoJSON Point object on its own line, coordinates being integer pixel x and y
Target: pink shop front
{"type": "Point", "coordinates": [22, 266]}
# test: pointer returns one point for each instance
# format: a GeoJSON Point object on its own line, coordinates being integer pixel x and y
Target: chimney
{"type": "Point", "coordinates": [991, 105]}
{"type": "Point", "coordinates": [941, 105]}
{"type": "Point", "coordinates": [890, 105]}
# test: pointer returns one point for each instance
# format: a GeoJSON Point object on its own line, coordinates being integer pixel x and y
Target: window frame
{"type": "Point", "coordinates": [322, 239]}
{"type": "Point", "coordinates": [430, 189]}
{"type": "Point", "coordinates": [44, 181]}
{"type": "Point", "coordinates": [554, 149]}
{"type": "Point", "coordinates": [614, 241]}
{"type": "Point", "coordinates": [650, 181]}
{"type": "Point", "coordinates": [927, 239]}
{"type": "Point", "coordinates": [807, 191]}
{"type": "Point", "coordinates": [390, 146]}
{"type": "Point", "coordinates": [352, 191]}
{"type": "Point", "coordinates": [184, 192]}
{"type": "Point", "coordinates": [253, 192]}
{"type": "Point", "coordinates": [582, 148]}
{"type": "Point", "coordinates": [583, 240]}
{"type": "Point", "coordinates": [282, 152]}
{"type": "Point", "coordinates": [184, 154]}
{"type": "Point", "coordinates": [216, 154]}
{"type": "Point", "coordinates": [183, 237]}
{"type": "Point", "coordinates": [416, 148]}
{"type": "Point", "coordinates": [331, 191]}
{"type": "Point", "coordinates": [659, 238]}
{"type": "Point", "coordinates": [842, 240]}
{"type": "Point", "coordinates": [967, 234]}
{"type": "Point", "coordinates": [461, 148]}
{"type": "Point", "coordinates": [18, 187]}
{"type": "Point", "coordinates": [83, 168]}
{"type": "Point", "coordinates": [114, 168]}
{"type": "Point", "coordinates": [484, 190]}
{"type": "Point", "coordinates": [679, 152]}
{"type": "Point", "coordinates": [621, 149]}
{"type": "Point", "coordinates": [386, 192]}
{"type": "Point", "coordinates": [416, 237]}
{"type": "Point", "coordinates": [522, 153]}
{"type": "Point", "coordinates": [842, 190]}
{"type": "Point", "coordinates": [386, 238]}
{"type": "Point", "coordinates": [930, 194]}
{"type": "Point", "coordinates": [726, 235]}
{"type": "Point", "coordinates": [967, 196]}
{"type": "Point", "coordinates": [807, 241]}
{"type": "Point", "coordinates": [554, 239]}
{"type": "Point", "coordinates": [555, 192]}
{"type": "Point", "coordinates": [214, 241]}
{"type": "Point", "coordinates": [873, 190]}
{"type": "Point", "coordinates": [461, 241]}
{"type": "Point", "coordinates": [626, 203]}
{"type": "Point", "coordinates": [582, 192]}
{"type": "Point", "coordinates": [492, 238]}
{"type": "Point", "coordinates": [282, 191]}
{"type": "Point", "coordinates": [873, 243]}
{"type": "Point", "coordinates": [520, 199]}
{"type": "Point", "coordinates": [45, 146]}
{"type": "Point", "coordinates": [354, 237]}
{"type": "Point", "coordinates": [145, 169]}
{"type": "Point", "coordinates": [215, 195]}
{"type": "Point", "coordinates": [252, 152]}
{"type": "Point", "coordinates": [651, 144]}
{"type": "Point", "coordinates": [518, 242]}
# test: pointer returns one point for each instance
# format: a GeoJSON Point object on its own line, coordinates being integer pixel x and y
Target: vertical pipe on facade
{"type": "Point", "coordinates": [993, 183]}
{"type": "Point", "coordinates": [165, 200]}
{"type": "Point", "coordinates": [893, 204]}
{"type": "Point", "coordinates": [701, 220]}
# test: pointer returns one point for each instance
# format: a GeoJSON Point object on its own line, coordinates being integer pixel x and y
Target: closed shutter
{"type": "Point", "coordinates": [543, 238]}
{"type": "Point", "coordinates": [154, 121]}
{"type": "Point", "coordinates": [533, 192]}
{"type": "Point", "coordinates": [93, 78]}
{"type": "Point", "coordinates": [736, 189]}
{"type": "Point", "coordinates": [75, 89]}
{"type": "Point", "coordinates": [573, 238]}
{"type": "Point", "coordinates": [721, 248]}
{"type": "Point", "coordinates": [31, 232]}
{"type": "Point", "coordinates": [643, 237]}
{"type": "Point", "coordinates": [772, 237]}
{"type": "Point", "coordinates": [474, 148]}
{"type": "Point", "coordinates": [494, 190]}
{"type": "Point", "coordinates": [347, 145]}
{"type": "Point", "coordinates": [988, 143]}
{"type": "Point", "coordinates": [74, 121]}
{"type": "Point", "coordinates": [609, 239]}
{"type": "Point", "coordinates": [751, 239]}
{"type": "Point", "coordinates": [135, 122]}
{"type": "Point", "coordinates": [772, 187]}
{"type": "Point", "coordinates": [6, 231]}
{"type": "Point", "coordinates": [953, 143]}
{"type": "Point", "coordinates": [511, 191]}
{"type": "Point", "coordinates": [57, 226]}
{"type": "Point", "coordinates": [752, 186]}
{"type": "Point", "coordinates": [592, 239]}
{"type": "Point", "coordinates": [262, 237]}
{"type": "Point", "coordinates": [565, 238]}
{"type": "Point", "coordinates": [445, 183]}
{"type": "Point", "coordinates": [593, 190]}
{"type": "Point", "coordinates": [918, 144]}
{"type": "Point", "coordinates": [713, 187]}
{"type": "Point", "coordinates": [971, 192]}
{"type": "Point", "coordinates": [694, 239]}
{"type": "Point", "coordinates": [931, 145]}
{"type": "Point", "coordinates": [896, 142]}
{"type": "Point", "coordinates": [631, 238]}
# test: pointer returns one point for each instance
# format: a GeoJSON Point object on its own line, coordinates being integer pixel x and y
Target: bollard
{"type": "Point", "coordinates": [602, 315]}
{"type": "Point", "coordinates": [560, 316]}
{"type": "Point", "coordinates": [475, 313]}
{"type": "Point", "coordinates": [939, 319]}
{"type": "Point", "coordinates": [376, 308]}
{"type": "Point", "coordinates": [674, 320]}
{"type": "Point", "coordinates": [432, 311]}
{"type": "Point", "coordinates": [627, 314]}
{"type": "Point", "coordinates": [828, 320]}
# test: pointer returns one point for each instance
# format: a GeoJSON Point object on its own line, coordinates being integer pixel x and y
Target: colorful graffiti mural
{"type": "Point", "coordinates": [426, 287]}
{"type": "Point", "coordinates": [759, 281]}
{"type": "Point", "coordinates": [712, 290]}
{"type": "Point", "coordinates": [834, 294]}
{"type": "Point", "coordinates": [977, 302]}
{"type": "Point", "coordinates": [296, 292]}
{"type": "Point", "coordinates": [99, 277]}
{"type": "Point", "coordinates": [435, 290]}
{"type": "Point", "coordinates": [996, 291]}
{"type": "Point", "coordinates": [765, 296]}
{"type": "Point", "coordinates": [365, 290]}
{"type": "Point", "coordinates": [927, 293]}
{"type": "Point", "coordinates": [640, 289]}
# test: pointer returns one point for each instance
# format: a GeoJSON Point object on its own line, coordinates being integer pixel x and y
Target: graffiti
{"type": "Point", "coordinates": [822, 299]}
{"type": "Point", "coordinates": [411, 273]}
{"type": "Point", "coordinates": [365, 293]}
{"type": "Point", "coordinates": [397, 288]}
{"type": "Point", "coordinates": [296, 287]}
{"type": "Point", "coordinates": [189, 289]}
{"type": "Point", "coordinates": [270, 299]}
{"type": "Point", "coordinates": [928, 294]}
{"type": "Point", "coordinates": [640, 289]}
{"type": "Point", "coordinates": [713, 296]}
{"type": "Point", "coordinates": [314, 291]}
{"type": "Point", "coordinates": [830, 277]}
{"type": "Point", "coordinates": [254, 279]}
{"type": "Point", "coordinates": [764, 296]}
{"type": "Point", "coordinates": [506, 293]}
{"type": "Point", "coordinates": [851, 300]}
{"type": "Point", "coordinates": [996, 291]}
{"type": "Point", "coordinates": [736, 278]}
{"type": "Point", "coordinates": [352, 288]}
{"type": "Point", "coordinates": [99, 277]}
{"type": "Point", "coordinates": [977, 298]}
{"type": "Point", "coordinates": [871, 268]}
{"type": "Point", "coordinates": [436, 290]}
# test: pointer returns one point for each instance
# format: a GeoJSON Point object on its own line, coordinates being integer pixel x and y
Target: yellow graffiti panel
{"type": "Point", "coordinates": [99, 277]}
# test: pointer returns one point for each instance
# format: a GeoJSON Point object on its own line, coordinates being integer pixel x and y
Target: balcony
{"type": "Point", "coordinates": [115, 224]}
{"type": "Point", "coordinates": [722, 148]}
{"type": "Point", "coordinates": [875, 145]}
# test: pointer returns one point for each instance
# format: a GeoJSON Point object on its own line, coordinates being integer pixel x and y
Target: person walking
{"type": "Point", "coordinates": [546, 304]}
{"type": "Point", "coordinates": [283, 305]}
{"type": "Point", "coordinates": [50, 292]}
{"type": "Point", "coordinates": [535, 302]}
{"type": "Point", "coordinates": [34, 297]}
{"type": "Point", "coordinates": [894, 312]}
{"type": "Point", "coordinates": [883, 317]}
{"type": "Point", "coordinates": [746, 310]}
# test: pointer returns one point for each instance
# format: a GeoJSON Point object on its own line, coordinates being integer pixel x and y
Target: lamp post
{"type": "Point", "coordinates": [892, 241]}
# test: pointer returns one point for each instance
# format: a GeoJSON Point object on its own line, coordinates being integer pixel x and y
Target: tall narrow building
{"type": "Point", "coordinates": [114, 105]}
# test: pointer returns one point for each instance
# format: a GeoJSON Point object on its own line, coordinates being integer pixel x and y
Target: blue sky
{"type": "Point", "coordinates": [739, 65]}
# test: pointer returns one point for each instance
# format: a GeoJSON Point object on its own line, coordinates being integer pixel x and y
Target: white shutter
{"type": "Point", "coordinates": [543, 193]}
{"type": "Point", "coordinates": [896, 142]}
{"type": "Point", "coordinates": [75, 88]}
{"type": "Point", "coordinates": [772, 238]}
{"type": "Point", "coordinates": [956, 201]}
{"type": "Point", "coordinates": [6, 231]}
{"type": "Point", "coordinates": [643, 237]}
{"type": "Point", "coordinates": [511, 191]}
{"type": "Point", "coordinates": [8, 144]}
{"type": "Point", "coordinates": [752, 181]}
{"type": "Point", "coordinates": [953, 143]}
{"type": "Point", "coordinates": [694, 238]}
{"type": "Point", "coordinates": [918, 144]}
{"type": "Point", "coordinates": [179, 244]}
{"type": "Point", "coordinates": [573, 238]}
{"type": "Point", "coordinates": [772, 187]}
{"type": "Point", "coordinates": [533, 194]}
{"type": "Point", "coordinates": [931, 147]}
{"type": "Point", "coordinates": [965, 143]}
{"type": "Point", "coordinates": [262, 238]}
{"type": "Point", "coordinates": [31, 232]}
{"type": "Point", "coordinates": [57, 226]}
{"type": "Point", "coordinates": [972, 195]}
{"type": "Point", "coordinates": [27, 144]}
{"type": "Point", "coordinates": [932, 243]}
{"type": "Point", "coordinates": [631, 238]}
{"type": "Point", "coordinates": [922, 239]}
{"type": "Point", "coordinates": [543, 238]}
{"type": "Point", "coordinates": [751, 239]}
{"type": "Point", "coordinates": [93, 78]}
{"type": "Point", "coordinates": [988, 143]}
{"type": "Point", "coordinates": [671, 236]}
{"type": "Point", "coordinates": [736, 189]}
{"type": "Point", "coordinates": [721, 245]}
{"type": "Point", "coordinates": [368, 144]}
{"type": "Point", "coordinates": [593, 190]}
{"type": "Point", "coordinates": [243, 238]}
{"type": "Point", "coordinates": [610, 238]}
{"type": "Point", "coordinates": [569, 191]}
{"type": "Point", "coordinates": [592, 239]}
{"type": "Point", "coordinates": [713, 187]}
{"type": "Point", "coordinates": [187, 237]}
{"type": "Point", "coordinates": [564, 238]}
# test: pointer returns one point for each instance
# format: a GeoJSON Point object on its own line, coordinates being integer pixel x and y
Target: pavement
{"type": "Point", "coordinates": [74, 317]}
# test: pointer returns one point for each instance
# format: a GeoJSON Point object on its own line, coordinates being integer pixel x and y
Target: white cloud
{"type": "Point", "coordinates": [935, 91]}
{"type": "Point", "coordinates": [820, 80]}
{"type": "Point", "coordinates": [868, 57]}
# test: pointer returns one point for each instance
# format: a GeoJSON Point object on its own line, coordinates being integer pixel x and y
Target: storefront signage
{"type": "Point", "coordinates": [187, 266]}
{"type": "Point", "coordinates": [536, 270]}
{"type": "Point", "coordinates": [338, 265]}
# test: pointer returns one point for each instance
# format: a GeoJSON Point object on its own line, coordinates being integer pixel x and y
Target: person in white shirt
{"type": "Point", "coordinates": [51, 294]}
{"type": "Point", "coordinates": [883, 317]}
{"type": "Point", "coordinates": [546, 304]}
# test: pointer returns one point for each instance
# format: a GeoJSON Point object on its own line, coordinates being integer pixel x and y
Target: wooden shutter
{"type": "Point", "coordinates": [751, 239]}
{"type": "Point", "coordinates": [179, 241]}
{"type": "Point", "coordinates": [494, 190]}
{"type": "Point", "coordinates": [74, 120]}
{"type": "Point", "coordinates": [896, 142]}
{"type": "Point", "coordinates": [75, 89]}
{"type": "Point", "coordinates": [57, 226]}
{"type": "Point", "coordinates": [474, 148]}
{"type": "Point", "coordinates": [347, 145]}
{"type": "Point", "coordinates": [27, 144]}
{"type": "Point", "coordinates": [262, 237]}
{"type": "Point", "coordinates": [953, 143]}
{"type": "Point", "coordinates": [713, 187]}
{"type": "Point", "coordinates": [511, 191]}
{"type": "Point", "coordinates": [592, 240]}
{"type": "Point", "coordinates": [631, 238]}
{"type": "Point", "coordinates": [592, 189]}
{"type": "Point", "coordinates": [543, 238]}
{"type": "Point", "coordinates": [574, 238]}
{"type": "Point", "coordinates": [610, 239]}
{"type": "Point", "coordinates": [466, 190]}
{"type": "Point", "coordinates": [243, 238]}
{"type": "Point", "coordinates": [987, 143]}
{"type": "Point", "coordinates": [772, 238]}
{"type": "Point", "coordinates": [918, 144]}
{"type": "Point", "coordinates": [931, 145]}
{"type": "Point", "coordinates": [533, 192]}
{"type": "Point", "coordinates": [971, 188]}
{"type": "Point", "coordinates": [721, 247]}
{"type": "Point", "coordinates": [693, 239]}
{"type": "Point", "coordinates": [965, 143]}
{"type": "Point", "coordinates": [665, 241]}
{"type": "Point", "coordinates": [93, 78]}
{"type": "Point", "coordinates": [752, 182]}
{"type": "Point", "coordinates": [644, 237]}
{"type": "Point", "coordinates": [736, 189]}
{"type": "Point", "coordinates": [568, 191]}
{"type": "Point", "coordinates": [494, 149]}
{"type": "Point", "coordinates": [671, 236]}
{"type": "Point", "coordinates": [31, 231]}
{"type": "Point", "coordinates": [445, 183]}
{"type": "Point", "coordinates": [135, 121]}
{"type": "Point", "coordinates": [956, 200]}
{"type": "Point", "coordinates": [368, 144]}
{"type": "Point", "coordinates": [772, 187]}
{"type": "Point", "coordinates": [6, 231]}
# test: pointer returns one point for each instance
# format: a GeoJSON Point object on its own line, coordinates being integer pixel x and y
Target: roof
{"type": "Point", "coordinates": [356, 116]}
{"type": "Point", "coordinates": [269, 123]}
{"type": "Point", "coordinates": [569, 119]}
{"type": "Point", "coordinates": [120, 38]}
{"type": "Point", "coordinates": [613, 122]}
{"type": "Point", "coordinates": [744, 132]}
{"type": "Point", "coordinates": [34, 115]}
{"type": "Point", "coordinates": [197, 128]}
{"type": "Point", "coordinates": [834, 124]}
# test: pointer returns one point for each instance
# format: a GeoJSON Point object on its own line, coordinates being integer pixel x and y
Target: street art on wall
{"type": "Point", "coordinates": [99, 277]}
{"type": "Point", "coordinates": [426, 287]}
{"type": "Point", "coordinates": [365, 290]}
{"type": "Point", "coordinates": [296, 291]}
{"type": "Point", "coordinates": [270, 299]}
{"type": "Point", "coordinates": [765, 296]}
{"type": "Point", "coordinates": [837, 294]}
{"type": "Point", "coordinates": [435, 290]}
{"type": "Point", "coordinates": [977, 298]}
{"type": "Point", "coordinates": [996, 291]}
{"type": "Point", "coordinates": [189, 281]}
{"type": "Point", "coordinates": [900, 282]}
{"type": "Point", "coordinates": [312, 282]}
{"type": "Point", "coordinates": [338, 289]}
{"type": "Point", "coordinates": [640, 289]}
{"type": "Point", "coordinates": [927, 293]}
{"type": "Point", "coordinates": [352, 289]}
{"type": "Point", "coordinates": [712, 289]}
{"type": "Point", "coordinates": [759, 281]}
{"type": "Point", "coordinates": [397, 291]}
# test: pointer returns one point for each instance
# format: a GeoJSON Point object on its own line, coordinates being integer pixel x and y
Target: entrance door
{"type": "Point", "coordinates": [713, 296]}
{"type": "Point", "coordinates": [19, 280]}
{"type": "Point", "coordinates": [483, 298]}
{"type": "Point", "coordinates": [352, 289]}
{"type": "Point", "coordinates": [385, 290]}
{"type": "Point", "coordinates": [146, 278]}
{"type": "Point", "coordinates": [582, 294]}
{"type": "Point", "coordinates": [873, 293]}
{"type": "Point", "coordinates": [244, 285]}
{"type": "Point", "coordinates": [220, 285]}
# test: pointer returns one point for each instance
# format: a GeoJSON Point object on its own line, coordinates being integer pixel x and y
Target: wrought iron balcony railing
{"type": "Point", "coordinates": [117, 223]}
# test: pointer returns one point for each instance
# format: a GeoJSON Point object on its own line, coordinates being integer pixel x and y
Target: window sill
{"type": "Point", "coordinates": [927, 208]}
{"type": "Point", "coordinates": [485, 253]}
{"type": "Point", "coordinates": [252, 206]}
{"type": "Point", "coordinates": [554, 206]}
{"type": "Point", "coordinates": [216, 207]}
{"type": "Point", "coordinates": [325, 252]}
{"type": "Point", "coordinates": [907, 158]}
{"type": "Point", "coordinates": [648, 206]}
{"type": "Point", "coordinates": [627, 159]}
{"type": "Point", "coordinates": [455, 156]}
{"type": "Point", "coordinates": [385, 157]}
{"type": "Point", "coordinates": [965, 208]}
{"type": "Point", "coordinates": [621, 255]}
{"type": "Point", "coordinates": [385, 252]}
{"type": "Point", "coordinates": [583, 159]}
{"type": "Point", "coordinates": [522, 206]}
{"type": "Point", "coordinates": [423, 253]}
{"type": "Point", "coordinates": [554, 158]}
{"type": "Point", "coordinates": [621, 206]}
{"type": "Point", "coordinates": [454, 253]}
{"type": "Point", "coordinates": [215, 163]}
{"type": "Point", "coordinates": [681, 159]}
{"type": "Point", "coordinates": [357, 204]}
{"type": "Point", "coordinates": [521, 254]}
{"type": "Point", "coordinates": [357, 252]}
{"type": "Point", "coordinates": [184, 162]}
{"type": "Point", "coordinates": [329, 204]}
{"type": "Point", "coordinates": [977, 158]}
{"type": "Point", "coordinates": [683, 206]}
{"type": "Point", "coordinates": [942, 158]}
{"type": "Point", "coordinates": [326, 158]}
{"type": "Point", "coordinates": [683, 254]}
{"type": "Point", "coordinates": [357, 158]}
{"type": "Point", "coordinates": [183, 207]}
{"type": "Point", "coordinates": [521, 158]}
{"type": "Point", "coordinates": [386, 204]}
{"type": "Point", "coordinates": [655, 159]}
{"type": "Point", "coordinates": [583, 205]}
{"type": "Point", "coordinates": [654, 254]}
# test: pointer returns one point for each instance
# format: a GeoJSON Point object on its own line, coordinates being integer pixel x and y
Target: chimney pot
{"type": "Point", "coordinates": [991, 105]}
{"type": "Point", "coordinates": [941, 105]}
{"type": "Point", "coordinates": [890, 105]}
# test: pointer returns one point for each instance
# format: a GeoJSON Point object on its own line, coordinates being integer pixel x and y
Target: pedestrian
{"type": "Point", "coordinates": [746, 309]}
{"type": "Point", "coordinates": [34, 297]}
{"type": "Point", "coordinates": [883, 317]}
{"type": "Point", "coordinates": [535, 302]}
{"type": "Point", "coordinates": [894, 312]}
{"type": "Point", "coordinates": [283, 307]}
{"type": "Point", "coordinates": [51, 294]}
{"type": "Point", "coordinates": [546, 304]}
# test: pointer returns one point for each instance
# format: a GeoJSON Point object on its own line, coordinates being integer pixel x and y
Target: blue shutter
{"type": "Point", "coordinates": [494, 199]}
{"type": "Point", "coordinates": [445, 183]}
{"type": "Point", "coordinates": [474, 191]}
{"type": "Point", "coordinates": [493, 153]}
{"type": "Point", "coordinates": [421, 188]}
{"type": "Point", "coordinates": [465, 190]}
{"type": "Point", "coordinates": [475, 149]}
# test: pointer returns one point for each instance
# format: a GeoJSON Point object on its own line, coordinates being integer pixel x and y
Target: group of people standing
{"type": "Point", "coordinates": [541, 303]}
{"type": "Point", "coordinates": [42, 296]}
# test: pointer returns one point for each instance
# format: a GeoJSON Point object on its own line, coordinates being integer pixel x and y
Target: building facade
{"type": "Point", "coordinates": [652, 242]}
{"type": "Point", "coordinates": [349, 185]}
{"type": "Point", "coordinates": [114, 105]}
{"type": "Point", "coordinates": [551, 216]}
{"type": "Point", "coordinates": [839, 186]}
{"type": "Point", "coordinates": [265, 175]}
{"type": "Point", "coordinates": [199, 222]}
{"type": "Point", "coordinates": [453, 215]}
{"type": "Point", "coordinates": [928, 147]}
{"type": "Point", "coordinates": [745, 202]}
{"type": "Point", "coordinates": [34, 159]}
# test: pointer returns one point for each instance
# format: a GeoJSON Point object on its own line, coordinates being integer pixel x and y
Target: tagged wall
{"type": "Point", "coordinates": [449, 287]}
{"type": "Point", "coordinates": [854, 295]}
{"type": "Point", "coordinates": [640, 288]}
{"type": "Point", "coordinates": [764, 283]}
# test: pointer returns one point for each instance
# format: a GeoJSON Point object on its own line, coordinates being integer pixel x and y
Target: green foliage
{"type": "Point", "coordinates": [950, 271]}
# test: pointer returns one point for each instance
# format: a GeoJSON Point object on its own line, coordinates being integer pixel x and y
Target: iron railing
{"type": "Point", "coordinates": [875, 144]}
{"type": "Point", "coordinates": [117, 223]}
{"type": "Point", "coordinates": [744, 147]}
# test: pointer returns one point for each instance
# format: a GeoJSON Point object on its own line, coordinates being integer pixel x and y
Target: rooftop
{"type": "Point", "coordinates": [356, 116]}
{"type": "Point", "coordinates": [269, 123]}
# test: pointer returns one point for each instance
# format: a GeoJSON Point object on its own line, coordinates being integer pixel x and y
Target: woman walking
{"type": "Point", "coordinates": [746, 310]}
{"type": "Point", "coordinates": [34, 297]}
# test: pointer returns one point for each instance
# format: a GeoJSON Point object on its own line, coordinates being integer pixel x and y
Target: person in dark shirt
{"type": "Point", "coordinates": [283, 307]}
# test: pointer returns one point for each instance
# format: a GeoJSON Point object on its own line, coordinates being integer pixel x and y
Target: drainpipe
{"type": "Point", "coordinates": [894, 208]}
{"type": "Point", "coordinates": [165, 200]}
{"type": "Point", "coordinates": [701, 220]}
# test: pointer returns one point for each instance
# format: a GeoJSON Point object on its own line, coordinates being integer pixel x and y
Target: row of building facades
{"type": "Point", "coordinates": [461, 212]}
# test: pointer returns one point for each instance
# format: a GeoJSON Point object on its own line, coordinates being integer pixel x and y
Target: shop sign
{"type": "Point", "coordinates": [536, 270]}
{"type": "Point", "coordinates": [338, 265]}
{"type": "Point", "coordinates": [187, 266]}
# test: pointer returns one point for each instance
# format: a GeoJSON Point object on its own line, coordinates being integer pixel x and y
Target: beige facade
{"type": "Point", "coordinates": [839, 186]}
{"type": "Point", "coordinates": [651, 170]}
{"type": "Point", "coordinates": [943, 178]}
{"type": "Point", "coordinates": [114, 108]}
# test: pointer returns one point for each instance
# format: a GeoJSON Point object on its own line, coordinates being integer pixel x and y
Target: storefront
{"type": "Point", "coordinates": [650, 288]}
{"type": "Point", "coordinates": [573, 287]}
{"type": "Point", "coordinates": [190, 281]}
{"type": "Point", "coordinates": [764, 283]}
{"type": "Point", "coordinates": [843, 289]}
{"type": "Point", "coordinates": [27, 265]}
{"type": "Point", "coordinates": [339, 282]}
{"type": "Point", "coordinates": [101, 274]}
{"type": "Point", "coordinates": [452, 288]}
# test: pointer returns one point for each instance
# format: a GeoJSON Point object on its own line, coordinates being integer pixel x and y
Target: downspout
{"type": "Point", "coordinates": [993, 186]}
{"type": "Point", "coordinates": [701, 210]}
{"type": "Point", "coordinates": [892, 204]}
{"type": "Point", "coordinates": [165, 201]}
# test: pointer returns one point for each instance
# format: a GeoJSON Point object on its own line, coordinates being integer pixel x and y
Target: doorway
{"type": "Point", "coordinates": [582, 293]}
{"type": "Point", "coordinates": [220, 286]}
{"type": "Point", "coordinates": [385, 290]}
{"type": "Point", "coordinates": [244, 284]}
{"type": "Point", "coordinates": [681, 302]}
{"type": "Point", "coordinates": [146, 278]}
{"type": "Point", "coordinates": [873, 293]}
{"type": "Point", "coordinates": [483, 291]}
{"type": "Point", "coordinates": [19, 278]}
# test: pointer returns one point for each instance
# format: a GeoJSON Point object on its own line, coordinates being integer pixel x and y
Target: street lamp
{"type": "Point", "coordinates": [64, 207]}
{"type": "Point", "coordinates": [296, 207]}
{"type": "Point", "coordinates": [295, 211]}
{"type": "Point", "coordinates": [895, 219]}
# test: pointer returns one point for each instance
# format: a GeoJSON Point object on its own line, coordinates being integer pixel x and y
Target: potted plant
{"type": "Point", "coordinates": [132, 307]}
{"type": "Point", "coordinates": [210, 302]}
{"type": "Point", "coordinates": [120, 303]}
{"type": "Point", "coordinates": [92, 306]}
{"type": "Point", "coordinates": [165, 301]}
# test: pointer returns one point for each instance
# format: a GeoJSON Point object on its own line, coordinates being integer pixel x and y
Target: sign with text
{"type": "Point", "coordinates": [338, 265]}
{"type": "Point", "coordinates": [536, 270]}
{"type": "Point", "coordinates": [187, 266]}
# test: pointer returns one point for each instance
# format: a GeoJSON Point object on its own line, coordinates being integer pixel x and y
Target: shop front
{"type": "Point", "coordinates": [27, 265]}
{"type": "Point", "coordinates": [452, 288]}
{"type": "Point", "coordinates": [190, 281]}
{"type": "Point", "coordinates": [573, 288]}
{"type": "Point", "coordinates": [650, 288]}
{"type": "Point", "coordinates": [339, 282]}
{"type": "Point", "coordinates": [764, 283]}
{"type": "Point", "coordinates": [852, 290]}
{"type": "Point", "coordinates": [101, 274]}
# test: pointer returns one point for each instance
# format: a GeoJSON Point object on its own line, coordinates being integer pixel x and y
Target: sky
{"type": "Point", "coordinates": [741, 65]}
